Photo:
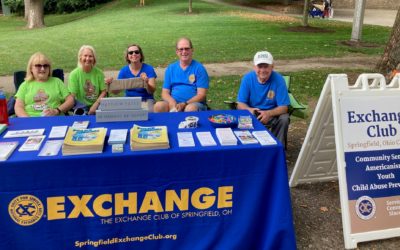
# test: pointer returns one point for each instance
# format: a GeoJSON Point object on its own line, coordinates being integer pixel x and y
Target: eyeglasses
{"type": "Point", "coordinates": [137, 52]}
{"type": "Point", "coordinates": [183, 49]}
{"type": "Point", "coordinates": [39, 66]}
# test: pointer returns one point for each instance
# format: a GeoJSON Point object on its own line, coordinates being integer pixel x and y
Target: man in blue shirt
{"type": "Point", "coordinates": [263, 92]}
{"type": "Point", "coordinates": [185, 82]}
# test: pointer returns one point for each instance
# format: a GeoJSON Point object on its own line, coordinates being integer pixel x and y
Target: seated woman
{"type": "Point", "coordinates": [40, 94]}
{"type": "Point", "coordinates": [86, 82]}
{"type": "Point", "coordinates": [136, 68]}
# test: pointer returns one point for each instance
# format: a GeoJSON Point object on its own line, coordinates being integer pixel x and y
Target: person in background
{"type": "Point", "coordinates": [137, 68]}
{"type": "Point", "coordinates": [185, 83]}
{"type": "Point", "coordinates": [264, 93]}
{"type": "Point", "coordinates": [87, 82]}
{"type": "Point", "coordinates": [41, 94]}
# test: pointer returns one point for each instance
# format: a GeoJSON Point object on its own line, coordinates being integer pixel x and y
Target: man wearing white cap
{"type": "Point", "coordinates": [263, 92]}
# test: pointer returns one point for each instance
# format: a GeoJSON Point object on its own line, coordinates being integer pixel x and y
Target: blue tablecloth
{"type": "Point", "coordinates": [219, 197]}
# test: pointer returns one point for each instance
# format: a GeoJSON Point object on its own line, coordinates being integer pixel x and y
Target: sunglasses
{"type": "Point", "coordinates": [136, 52]}
{"type": "Point", "coordinates": [183, 49]}
{"type": "Point", "coordinates": [39, 66]}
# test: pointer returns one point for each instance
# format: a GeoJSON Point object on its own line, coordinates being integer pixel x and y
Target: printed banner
{"type": "Point", "coordinates": [371, 140]}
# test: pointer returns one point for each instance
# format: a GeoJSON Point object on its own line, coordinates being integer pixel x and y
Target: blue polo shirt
{"type": "Point", "coordinates": [183, 84]}
{"type": "Point", "coordinates": [266, 96]}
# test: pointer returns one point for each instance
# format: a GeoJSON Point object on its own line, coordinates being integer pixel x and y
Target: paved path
{"type": "Point", "coordinates": [239, 68]}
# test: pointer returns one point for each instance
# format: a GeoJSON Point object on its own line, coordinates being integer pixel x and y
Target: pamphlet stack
{"type": "Point", "coordinates": [84, 141]}
{"type": "Point", "coordinates": [145, 138]}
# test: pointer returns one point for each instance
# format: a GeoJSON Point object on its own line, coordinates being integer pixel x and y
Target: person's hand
{"type": "Point", "coordinates": [172, 105]}
{"type": "Point", "coordinates": [180, 106]}
{"type": "Point", "coordinates": [92, 110]}
{"type": "Point", "coordinates": [50, 112]}
{"type": "Point", "coordinates": [264, 116]}
{"type": "Point", "coordinates": [108, 80]}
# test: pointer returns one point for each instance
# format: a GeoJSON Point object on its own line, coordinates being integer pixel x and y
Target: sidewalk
{"type": "Point", "coordinates": [240, 68]}
{"type": "Point", "coordinates": [371, 16]}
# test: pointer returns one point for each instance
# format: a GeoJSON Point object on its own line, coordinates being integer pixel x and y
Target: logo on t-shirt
{"type": "Point", "coordinates": [192, 78]}
{"type": "Point", "coordinates": [90, 90]}
{"type": "Point", "coordinates": [270, 95]}
{"type": "Point", "coordinates": [40, 100]}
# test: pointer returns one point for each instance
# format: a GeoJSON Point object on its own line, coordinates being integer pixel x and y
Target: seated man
{"type": "Point", "coordinates": [185, 82]}
{"type": "Point", "coordinates": [263, 92]}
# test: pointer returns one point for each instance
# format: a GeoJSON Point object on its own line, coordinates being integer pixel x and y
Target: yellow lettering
{"type": "Point", "coordinates": [225, 196]}
{"type": "Point", "coordinates": [151, 201]}
{"type": "Point", "coordinates": [130, 203]}
{"type": "Point", "coordinates": [80, 206]}
{"type": "Point", "coordinates": [182, 201]}
{"type": "Point", "coordinates": [98, 205]}
{"type": "Point", "coordinates": [203, 202]}
{"type": "Point", "coordinates": [55, 208]}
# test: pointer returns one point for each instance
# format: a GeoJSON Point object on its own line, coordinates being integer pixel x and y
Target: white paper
{"type": "Point", "coordinates": [32, 143]}
{"type": "Point", "coordinates": [206, 139]}
{"type": "Point", "coordinates": [117, 148]}
{"type": "Point", "coordinates": [58, 131]}
{"type": "Point", "coordinates": [117, 136]}
{"type": "Point", "coordinates": [51, 148]}
{"type": "Point", "coordinates": [185, 139]}
{"type": "Point", "coordinates": [226, 136]}
{"type": "Point", "coordinates": [80, 124]}
{"type": "Point", "coordinates": [264, 137]}
{"type": "Point", "coordinates": [245, 137]}
{"type": "Point", "coordinates": [6, 149]}
{"type": "Point", "coordinates": [23, 133]}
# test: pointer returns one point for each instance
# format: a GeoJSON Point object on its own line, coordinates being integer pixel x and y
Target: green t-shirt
{"type": "Point", "coordinates": [86, 86]}
{"type": "Point", "coordinates": [39, 96]}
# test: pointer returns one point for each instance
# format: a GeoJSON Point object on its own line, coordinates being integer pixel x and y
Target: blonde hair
{"type": "Point", "coordinates": [38, 57]}
{"type": "Point", "coordinates": [81, 52]}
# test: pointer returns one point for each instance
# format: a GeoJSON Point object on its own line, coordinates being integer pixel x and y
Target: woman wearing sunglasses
{"type": "Point", "coordinates": [41, 94]}
{"type": "Point", "coordinates": [136, 68]}
{"type": "Point", "coordinates": [87, 82]}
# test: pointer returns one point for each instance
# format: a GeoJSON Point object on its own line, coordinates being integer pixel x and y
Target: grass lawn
{"type": "Point", "coordinates": [219, 34]}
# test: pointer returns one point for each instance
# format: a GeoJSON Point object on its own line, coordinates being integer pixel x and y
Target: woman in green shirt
{"type": "Point", "coordinates": [86, 82]}
{"type": "Point", "coordinates": [41, 94]}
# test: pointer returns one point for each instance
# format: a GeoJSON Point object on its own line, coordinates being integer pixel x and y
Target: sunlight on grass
{"type": "Point", "coordinates": [218, 36]}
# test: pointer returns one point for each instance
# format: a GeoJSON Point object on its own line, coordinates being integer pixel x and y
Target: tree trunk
{"type": "Point", "coordinates": [190, 6]}
{"type": "Point", "coordinates": [358, 20]}
{"type": "Point", "coordinates": [390, 59]}
{"type": "Point", "coordinates": [36, 14]}
{"type": "Point", "coordinates": [26, 5]}
{"type": "Point", "coordinates": [305, 13]}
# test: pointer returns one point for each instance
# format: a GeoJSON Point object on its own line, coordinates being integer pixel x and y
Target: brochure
{"type": "Point", "coordinates": [23, 133]}
{"type": "Point", "coordinates": [185, 139]}
{"type": "Point", "coordinates": [51, 148]}
{"type": "Point", "coordinates": [6, 149]}
{"type": "Point", "coordinates": [206, 139]}
{"type": "Point", "coordinates": [32, 143]}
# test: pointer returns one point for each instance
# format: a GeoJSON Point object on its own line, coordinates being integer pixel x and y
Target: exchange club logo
{"type": "Point", "coordinates": [26, 210]}
{"type": "Point", "coordinates": [365, 207]}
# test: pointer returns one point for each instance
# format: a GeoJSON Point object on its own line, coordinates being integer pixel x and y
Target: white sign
{"type": "Point", "coordinates": [367, 139]}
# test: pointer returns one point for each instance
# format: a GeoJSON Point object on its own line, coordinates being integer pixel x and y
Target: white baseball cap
{"type": "Point", "coordinates": [263, 57]}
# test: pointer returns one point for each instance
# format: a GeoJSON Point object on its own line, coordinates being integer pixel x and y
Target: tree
{"type": "Point", "coordinates": [35, 14]}
{"type": "Point", "coordinates": [305, 13]}
{"type": "Point", "coordinates": [390, 59]}
{"type": "Point", "coordinates": [26, 6]}
{"type": "Point", "coordinates": [358, 20]}
{"type": "Point", "coordinates": [190, 6]}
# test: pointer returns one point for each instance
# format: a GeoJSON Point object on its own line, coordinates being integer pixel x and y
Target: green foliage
{"type": "Point", "coordinates": [56, 6]}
